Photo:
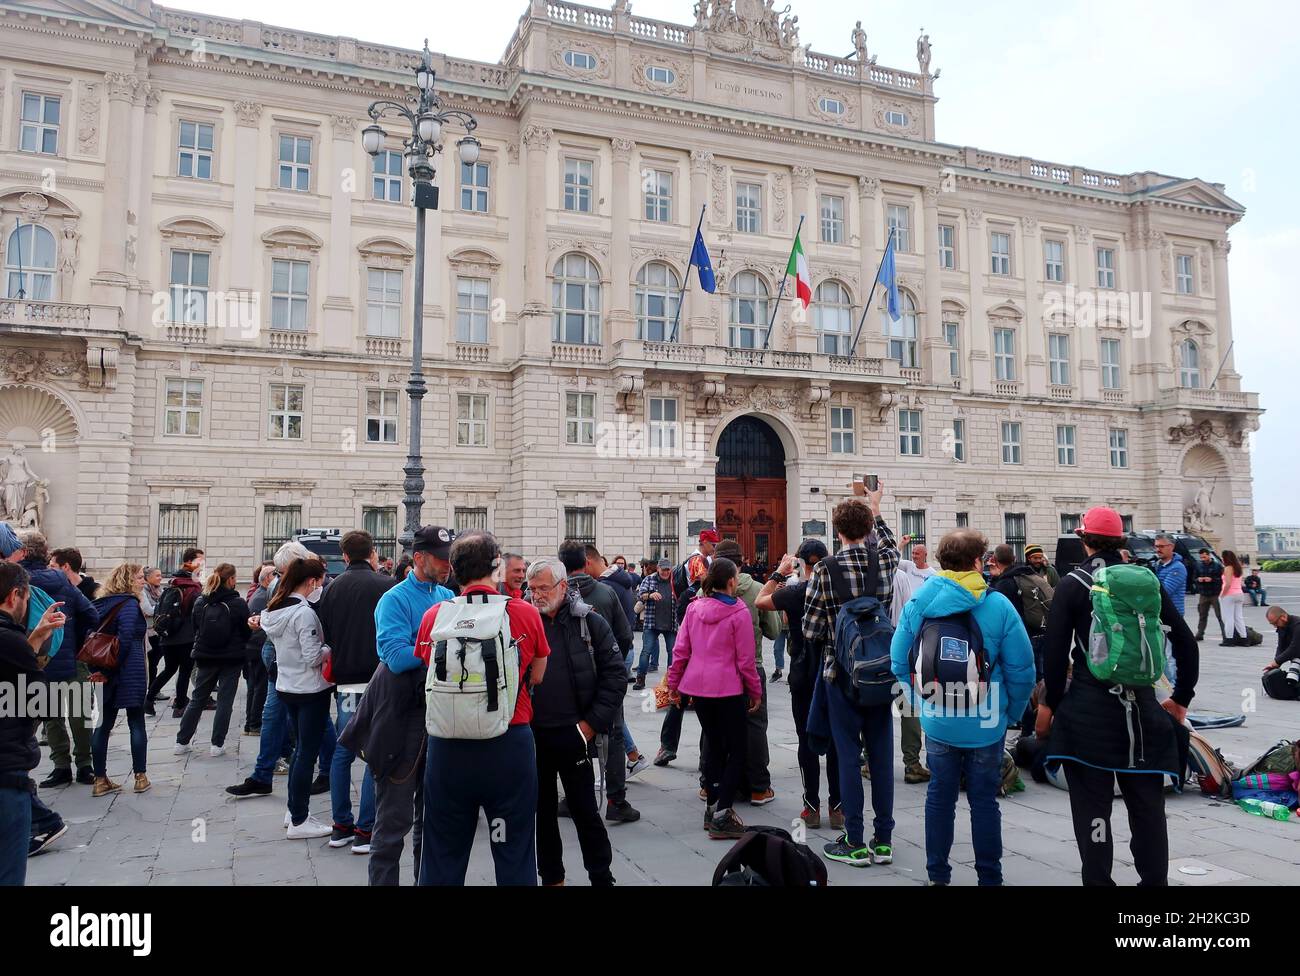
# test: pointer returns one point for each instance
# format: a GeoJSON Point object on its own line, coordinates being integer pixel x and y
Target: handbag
{"type": "Point", "coordinates": [101, 649]}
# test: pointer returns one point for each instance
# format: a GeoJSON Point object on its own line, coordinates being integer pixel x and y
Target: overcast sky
{"type": "Point", "coordinates": [1187, 88]}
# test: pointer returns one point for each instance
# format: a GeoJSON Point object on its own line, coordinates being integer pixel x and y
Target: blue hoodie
{"type": "Point", "coordinates": [1011, 658]}
{"type": "Point", "coordinates": [397, 620]}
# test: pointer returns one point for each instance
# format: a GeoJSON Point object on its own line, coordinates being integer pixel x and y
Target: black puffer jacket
{"type": "Point", "coordinates": [347, 616]}
{"type": "Point", "coordinates": [581, 684]}
{"type": "Point", "coordinates": [602, 598]}
{"type": "Point", "coordinates": [211, 646]}
{"type": "Point", "coordinates": [19, 753]}
{"type": "Point", "coordinates": [624, 585]}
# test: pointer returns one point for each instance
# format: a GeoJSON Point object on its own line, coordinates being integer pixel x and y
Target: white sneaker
{"type": "Point", "coordinates": [288, 818]}
{"type": "Point", "coordinates": [216, 751]}
{"type": "Point", "coordinates": [635, 767]}
{"type": "Point", "coordinates": [308, 829]}
{"type": "Point", "coordinates": [181, 750]}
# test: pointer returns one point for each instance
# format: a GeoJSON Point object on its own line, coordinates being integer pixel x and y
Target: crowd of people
{"type": "Point", "coordinates": [475, 683]}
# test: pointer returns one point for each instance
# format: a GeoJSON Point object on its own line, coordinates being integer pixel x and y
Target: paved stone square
{"type": "Point", "coordinates": [151, 839]}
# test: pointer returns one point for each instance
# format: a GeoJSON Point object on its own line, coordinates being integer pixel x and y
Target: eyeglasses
{"type": "Point", "coordinates": [543, 589]}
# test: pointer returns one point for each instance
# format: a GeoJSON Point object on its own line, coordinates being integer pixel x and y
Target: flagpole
{"type": "Point", "coordinates": [18, 243]}
{"type": "Point", "coordinates": [781, 291]}
{"type": "Point", "coordinates": [1222, 363]}
{"type": "Point", "coordinates": [867, 307]}
{"type": "Point", "coordinates": [681, 294]}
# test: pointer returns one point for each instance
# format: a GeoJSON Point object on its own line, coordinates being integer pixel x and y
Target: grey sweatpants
{"type": "Point", "coordinates": [399, 810]}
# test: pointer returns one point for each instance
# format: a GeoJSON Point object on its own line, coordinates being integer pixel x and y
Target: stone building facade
{"type": "Point", "coordinates": [213, 334]}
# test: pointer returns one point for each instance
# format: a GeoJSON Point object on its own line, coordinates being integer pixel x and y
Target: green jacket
{"type": "Point", "coordinates": [767, 623]}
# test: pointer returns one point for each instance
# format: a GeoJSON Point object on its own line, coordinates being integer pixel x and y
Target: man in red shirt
{"type": "Point", "coordinates": [497, 776]}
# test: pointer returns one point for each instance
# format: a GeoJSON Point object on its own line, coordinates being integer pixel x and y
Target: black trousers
{"type": "Point", "coordinates": [1092, 794]}
{"type": "Point", "coordinates": [726, 744]}
{"type": "Point", "coordinates": [809, 761]}
{"type": "Point", "coordinates": [562, 753]}
{"type": "Point", "coordinates": [176, 661]}
{"type": "Point", "coordinates": [255, 680]}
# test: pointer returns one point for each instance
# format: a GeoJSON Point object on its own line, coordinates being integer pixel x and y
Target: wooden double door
{"type": "Point", "coordinates": [752, 512]}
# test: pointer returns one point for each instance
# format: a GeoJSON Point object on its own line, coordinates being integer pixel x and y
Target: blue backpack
{"type": "Point", "coordinates": [39, 602]}
{"type": "Point", "coordinates": [949, 667]}
{"type": "Point", "coordinates": [863, 634]}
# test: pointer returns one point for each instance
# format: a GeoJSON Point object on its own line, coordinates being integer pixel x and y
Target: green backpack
{"type": "Point", "coordinates": [1126, 643]}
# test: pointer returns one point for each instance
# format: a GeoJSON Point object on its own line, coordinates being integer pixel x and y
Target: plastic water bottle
{"type": "Point", "coordinates": [1265, 808]}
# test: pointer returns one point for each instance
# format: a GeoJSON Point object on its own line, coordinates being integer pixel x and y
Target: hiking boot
{"type": "Point", "coordinates": [104, 786]}
{"type": "Point", "coordinates": [663, 757]}
{"type": "Point", "coordinates": [142, 784]}
{"type": "Point", "coordinates": [837, 818]}
{"type": "Point", "coordinates": [620, 811]}
{"type": "Point", "coordinates": [60, 777]}
{"type": "Point", "coordinates": [762, 797]}
{"type": "Point", "coordinates": [341, 836]}
{"type": "Point", "coordinates": [638, 684]}
{"type": "Point", "coordinates": [881, 853]}
{"type": "Point", "coordinates": [840, 850]}
{"type": "Point", "coordinates": [86, 776]}
{"type": "Point", "coordinates": [811, 817]}
{"type": "Point", "coordinates": [916, 773]}
{"type": "Point", "coordinates": [725, 825]}
{"type": "Point", "coordinates": [249, 787]}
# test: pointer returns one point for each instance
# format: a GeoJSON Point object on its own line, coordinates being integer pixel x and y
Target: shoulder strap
{"type": "Point", "coordinates": [839, 585]}
{"type": "Point", "coordinates": [1083, 577]}
{"type": "Point", "coordinates": [112, 615]}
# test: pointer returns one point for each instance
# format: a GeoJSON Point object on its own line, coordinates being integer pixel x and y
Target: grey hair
{"type": "Point", "coordinates": [287, 553]}
{"type": "Point", "coordinates": [545, 564]}
{"type": "Point", "coordinates": [264, 574]}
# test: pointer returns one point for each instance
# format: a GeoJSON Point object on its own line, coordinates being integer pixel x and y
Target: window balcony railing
{"type": "Point", "coordinates": [910, 373]}
{"type": "Point", "coordinates": [1008, 388]}
{"type": "Point", "coordinates": [689, 358]}
{"type": "Point", "coordinates": [286, 341]}
{"type": "Point", "coordinates": [59, 314]}
{"type": "Point", "coordinates": [1114, 396]}
{"type": "Point", "coordinates": [1058, 392]}
{"type": "Point", "coordinates": [472, 352]}
{"type": "Point", "coordinates": [588, 355]}
{"type": "Point", "coordinates": [1209, 399]}
{"type": "Point", "coordinates": [186, 333]}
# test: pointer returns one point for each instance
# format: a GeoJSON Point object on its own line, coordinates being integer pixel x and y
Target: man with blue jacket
{"type": "Point", "coordinates": [966, 742]}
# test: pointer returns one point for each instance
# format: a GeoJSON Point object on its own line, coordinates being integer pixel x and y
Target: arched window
{"type": "Point", "coordinates": [902, 334]}
{"type": "Point", "coordinates": [833, 316]}
{"type": "Point", "coordinates": [657, 291]}
{"type": "Point", "coordinates": [1189, 365]}
{"type": "Point", "coordinates": [748, 311]}
{"type": "Point", "coordinates": [575, 297]}
{"type": "Point", "coordinates": [29, 264]}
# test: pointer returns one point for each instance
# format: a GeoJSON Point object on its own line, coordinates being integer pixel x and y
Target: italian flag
{"type": "Point", "coordinates": [798, 268]}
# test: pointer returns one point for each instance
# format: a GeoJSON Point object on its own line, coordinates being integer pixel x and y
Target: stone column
{"type": "Point", "coordinates": [696, 317]}
{"type": "Point", "coordinates": [934, 355]}
{"type": "Point", "coordinates": [535, 319]}
{"type": "Point", "coordinates": [1036, 370]}
{"type": "Point", "coordinates": [872, 343]}
{"type": "Point", "coordinates": [111, 277]}
{"type": "Point", "coordinates": [1228, 379]}
{"type": "Point", "coordinates": [243, 271]}
{"type": "Point", "coordinates": [981, 362]}
{"type": "Point", "coordinates": [1155, 348]}
{"type": "Point", "coordinates": [619, 321]}
{"type": "Point", "coordinates": [338, 328]}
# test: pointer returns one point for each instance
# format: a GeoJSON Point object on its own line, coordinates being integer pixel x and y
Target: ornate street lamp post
{"type": "Point", "coordinates": [426, 117]}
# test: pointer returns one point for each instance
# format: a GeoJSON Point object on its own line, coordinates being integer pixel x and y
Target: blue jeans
{"type": "Point", "coordinates": [275, 735]}
{"type": "Point", "coordinates": [778, 650]}
{"type": "Point", "coordinates": [1258, 597]}
{"type": "Point", "coordinates": [983, 770]}
{"type": "Point", "coordinates": [310, 716]}
{"type": "Point", "coordinates": [341, 772]}
{"type": "Point", "coordinates": [15, 834]}
{"type": "Point", "coordinates": [139, 740]}
{"type": "Point", "coordinates": [650, 650]}
{"type": "Point", "coordinates": [852, 727]}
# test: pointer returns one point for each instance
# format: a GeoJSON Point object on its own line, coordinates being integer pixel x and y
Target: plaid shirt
{"type": "Point", "coordinates": [653, 608]}
{"type": "Point", "coordinates": [821, 606]}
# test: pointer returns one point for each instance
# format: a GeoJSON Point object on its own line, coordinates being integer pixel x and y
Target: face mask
{"type": "Point", "coordinates": [314, 595]}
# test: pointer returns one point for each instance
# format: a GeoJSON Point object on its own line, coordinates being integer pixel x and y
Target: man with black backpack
{"type": "Point", "coordinates": [1030, 592]}
{"type": "Point", "coordinates": [174, 623]}
{"type": "Point", "coordinates": [846, 613]}
{"type": "Point", "coordinates": [1108, 725]}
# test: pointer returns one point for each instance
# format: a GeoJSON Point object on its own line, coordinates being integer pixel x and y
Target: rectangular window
{"type": "Point", "coordinates": [1105, 267]}
{"type": "Point", "coordinates": [1058, 359]}
{"type": "Point", "coordinates": [285, 416]}
{"type": "Point", "coordinates": [1110, 372]}
{"type": "Point", "coordinates": [580, 525]}
{"type": "Point", "coordinates": [1010, 442]}
{"type": "Point", "coordinates": [1054, 260]}
{"type": "Point", "coordinates": [194, 152]}
{"type": "Point", "coordinates": [183, 410]}
{"type": "Point", "coordinates": [178, 530]}
{"type": "Point", "coordinates": [1000, 252]}
{"type": "Point", "coordinates": [1185, 281]}
{"type": "Point", "coordinates": [1126, 523]}
{"type": "Point", "coordinates": [912, 522]}
{"type": "Point", "coordinates": [832, 214]}
{"type": "Point", "coordinates": [843, 431]}
{"type": "Point", "coordinates": [384, 303]}
{"type": "Point", "coordinates": [1065, 447]}
{"type": "Point", "coordinates": [1118, 448]}
{"type": "Point", "coordinates": [381, 416]}
{"type": "Point", "coordinates": [474, 187]}
{"type": "Point", "coordinates": [289, 295]}
{"type": "Point", "coordinates": [577, 185]}
{"type": "Point", "coordinates": [580, 418]}
{"type": "Point", "coordinates": [749, 208]}
{"type": "Point", "coordinates": [471, 420]}
{"type": "Point", "coordinates": [963, 520]}
{"type": "Point", "coordinates": [472, 304]}
{"type": "Point", "coordinates": [1069, 522]}
{"type": "Point", "coordinates": [947, 247]}
{"type": "Point", "coordinates": [386, 178]}
{"type": "Point", "coordinates": [952, 336]}
{"type": "Point", "coordinates": [664, 535]}
{"type": "Point", "coordinates": [279, 524]}
{"type": "Point", "coordinates": [909, 433]}
{"type": "Point", "coordinates": [1004, 354]}
{"type": "Point", "coordinates": [658, 186]}
{"type": "Point", "coordinates": [381, 523]}
{"type": "Point", "coordinates": [663, 424]}
{"type": "Point", "coordinates": [295, 163]}
{"type": "Point", "coordinates": [469, 519]}
{"type": "Point", "coordinates": [39, 124]}
{"type": "Point", "coordinates": [189, 287]}
{"type": "Point", "coordinates": [959, 440]}
{"type": "Point", "coordinates": [1014, 530]}
{"type": "Point", "coordinates": [900, 222]}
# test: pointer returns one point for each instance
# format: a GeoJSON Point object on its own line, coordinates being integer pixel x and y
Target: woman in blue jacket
{"type": "Point", "coordinates": [124, 687]}
{"type": "Point", "coordinates": [966, 741]}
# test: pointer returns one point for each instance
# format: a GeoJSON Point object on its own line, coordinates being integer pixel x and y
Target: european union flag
{"type": "Point", "coordinates": [700, 258]}
{"type": "Point", "coordinates": [888, 276]}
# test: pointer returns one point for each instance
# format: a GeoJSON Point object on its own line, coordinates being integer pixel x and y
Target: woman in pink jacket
{"type": "Point", "coordinates": [713, 663]}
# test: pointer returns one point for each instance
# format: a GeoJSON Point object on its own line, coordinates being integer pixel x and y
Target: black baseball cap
{"type": "Point", "coordinates": [435, 540]}
{"type": "Point", "coordinates": [810, 548]}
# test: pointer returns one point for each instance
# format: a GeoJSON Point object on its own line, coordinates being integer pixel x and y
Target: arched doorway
{"type": "Point", "coordinates": [751, 490]}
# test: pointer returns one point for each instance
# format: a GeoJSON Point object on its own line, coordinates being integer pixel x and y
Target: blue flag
{"type": "Point", "coordinates": [888, 277]}
{"type": "Point", "coordinates": [700, 258]}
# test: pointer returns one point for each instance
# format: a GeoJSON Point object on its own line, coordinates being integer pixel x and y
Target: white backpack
{"type": "Point", "coordinates": [473, 681]}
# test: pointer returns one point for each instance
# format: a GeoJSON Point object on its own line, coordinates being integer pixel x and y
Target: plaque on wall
{"type": "Point", "coordinates": [697, 526]}
{"type": "Point", "coordinates": [815, 527]}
